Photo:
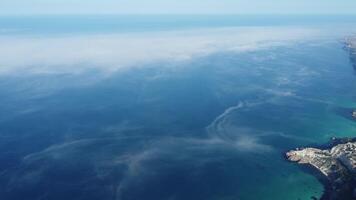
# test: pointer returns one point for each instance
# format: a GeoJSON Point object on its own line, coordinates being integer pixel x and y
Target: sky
{"type": "Point", "coordinates": [19, 7]}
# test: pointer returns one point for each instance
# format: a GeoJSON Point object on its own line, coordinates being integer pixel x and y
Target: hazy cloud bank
{"type": "Point", "coordinates": [112, 52]}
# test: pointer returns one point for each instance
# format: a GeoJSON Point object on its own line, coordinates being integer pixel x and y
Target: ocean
{"type": "Point", "coordinates": [169, 107]}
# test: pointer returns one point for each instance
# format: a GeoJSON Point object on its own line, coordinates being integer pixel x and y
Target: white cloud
{"type": "Point", "coordinates": [251, 143]}
{"type": "Point", "coordinates": [112, 52]}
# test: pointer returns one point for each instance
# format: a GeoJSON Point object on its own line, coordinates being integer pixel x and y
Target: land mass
{"type": "Point", "coordinates": [350, 45]}
{"type": "Point", "coordinates": [335, 162]}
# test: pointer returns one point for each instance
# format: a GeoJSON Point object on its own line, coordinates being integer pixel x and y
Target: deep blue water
{"type": "Point", "coordinates": [211, 127]}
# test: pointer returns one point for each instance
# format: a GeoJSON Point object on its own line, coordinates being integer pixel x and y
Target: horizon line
{"type": "Point", "coordinates": [179, 14]}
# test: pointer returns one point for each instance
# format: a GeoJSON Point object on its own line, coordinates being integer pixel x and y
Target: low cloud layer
{"type": "Point", "coordinates": [112, 52]}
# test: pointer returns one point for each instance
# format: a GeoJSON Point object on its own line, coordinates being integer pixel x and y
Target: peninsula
{"type": "Point", "coordinates": [335, 162]}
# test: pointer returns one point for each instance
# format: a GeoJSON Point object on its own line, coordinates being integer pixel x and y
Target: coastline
{"type": "Point", "coordinates": [334, 163]}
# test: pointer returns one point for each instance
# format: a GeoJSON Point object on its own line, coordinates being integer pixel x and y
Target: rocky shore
{"type": "Point", "coordinates": [337, 163]}
{"type": "Point", "coordinates": [350, 42]}
{"type": "Point", "coordinates": [350, 45]}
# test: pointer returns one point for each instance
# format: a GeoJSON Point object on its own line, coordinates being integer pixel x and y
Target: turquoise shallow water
{"type": "Point", "coordinates": [211, 126]}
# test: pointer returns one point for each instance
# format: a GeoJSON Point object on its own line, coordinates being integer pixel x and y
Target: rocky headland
{"type": "Point", "coordinates": [350, 45]}
{"type": "Point", "coordinates": [350, 42]}
{"type": "Point", "coordinates": [336, 161]}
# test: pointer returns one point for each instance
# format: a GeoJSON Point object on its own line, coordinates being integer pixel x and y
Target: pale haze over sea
{"type": "Point", "coordinates": [169, 107]}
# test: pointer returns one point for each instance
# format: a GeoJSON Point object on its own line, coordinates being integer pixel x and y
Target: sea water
{"type": "Point", "coordinates": [190, 115]}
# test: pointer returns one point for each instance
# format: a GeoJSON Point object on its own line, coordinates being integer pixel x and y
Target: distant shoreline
{"type": "Point", "coordinates": [334, 163]}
